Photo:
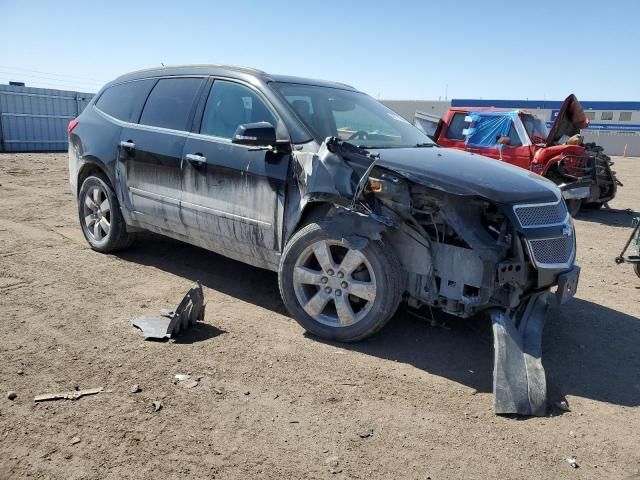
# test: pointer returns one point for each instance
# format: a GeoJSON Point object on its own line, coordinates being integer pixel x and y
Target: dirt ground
{"type": "Point", "coordinates": [272, 402]}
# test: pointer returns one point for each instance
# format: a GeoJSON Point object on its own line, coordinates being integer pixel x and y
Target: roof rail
{"type": "Point", "coordinates": [238, 68]}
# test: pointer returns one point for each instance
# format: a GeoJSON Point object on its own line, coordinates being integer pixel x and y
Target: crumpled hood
{"type": "Point", "coordinates": [463, 173]}
{"type": "Point", "coordinates": [570, 120]}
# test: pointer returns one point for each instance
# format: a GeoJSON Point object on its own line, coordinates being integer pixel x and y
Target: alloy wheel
{"type": "Point", "coordinates": [97, 213]}
{"type": "Point", "coordinates": [334, 284]}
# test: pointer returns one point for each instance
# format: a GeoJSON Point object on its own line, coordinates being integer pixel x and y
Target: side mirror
{"type": "Point", "coordinates": [259, 134]}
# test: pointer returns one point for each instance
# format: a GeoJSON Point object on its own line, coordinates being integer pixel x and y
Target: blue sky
{"type": "Point", "coordinates": [393, 50]}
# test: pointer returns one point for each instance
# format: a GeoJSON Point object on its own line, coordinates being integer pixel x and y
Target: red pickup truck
{"type": "Point", "coordinates": [582, 171]}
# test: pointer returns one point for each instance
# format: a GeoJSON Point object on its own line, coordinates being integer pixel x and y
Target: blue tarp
{"type": "Point", "coordinates": [487, 127]}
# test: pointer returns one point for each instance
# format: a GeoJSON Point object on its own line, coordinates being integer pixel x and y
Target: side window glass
{"type": "Point", "coordinates": [303, 106]}
{"type": "Point", "coordinates": [230, 105]}
{"type": "Point", "coordinates": [456, 127]}
{"type": "Point", "coordinates": [125, 101]}
{"type": "Point", "coordinates": [514, 138]}
{"type": "Point", "coordinates": [170, 103]}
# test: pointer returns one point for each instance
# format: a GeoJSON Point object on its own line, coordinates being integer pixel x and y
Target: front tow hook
{"type": "Point", "coordinates": [519, 381]}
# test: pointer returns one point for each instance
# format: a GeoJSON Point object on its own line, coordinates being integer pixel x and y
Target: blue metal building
{"type": "Point", "coordinates": [36, 119]}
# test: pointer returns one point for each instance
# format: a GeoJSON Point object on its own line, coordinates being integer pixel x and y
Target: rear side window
{"type": "Point", "coordinates": [170, 103]}
{"type": "Point", "coordinates": [456, 127]}
{"type": "Point", "coordinates": [125, 101]}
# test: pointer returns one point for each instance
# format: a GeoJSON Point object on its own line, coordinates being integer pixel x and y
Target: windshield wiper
{"type": "Point", "coordinates": [422, 145]}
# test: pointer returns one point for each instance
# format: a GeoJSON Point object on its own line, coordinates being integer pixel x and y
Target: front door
{"type": "Point", "coordinates": [150, 153]}
{"type": "Point", "coordinates": [233, 195]}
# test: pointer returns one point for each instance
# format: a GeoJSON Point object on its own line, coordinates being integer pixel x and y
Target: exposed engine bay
{"type": "Point", "coordinates": [460, 252]}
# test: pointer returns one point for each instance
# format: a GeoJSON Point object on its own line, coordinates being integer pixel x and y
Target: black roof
{"type": "Point", "coordinates": [232, 71]}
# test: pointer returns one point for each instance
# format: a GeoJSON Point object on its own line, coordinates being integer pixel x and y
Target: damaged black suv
{"type": "Point", "coordinates": [356, 209]}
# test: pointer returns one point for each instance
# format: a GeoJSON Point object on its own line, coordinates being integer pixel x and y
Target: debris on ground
{"type": "Point", "coordinates": [156, 405]}
{"type": "Point", "coordinates": [72, 395]}
{"type": "Point", "coordinates": [367, 433]}
{"type": "Point", "coordinates": [171, 322]}
{"type": "Point", "coordinates": [572, 462]}
{"type": "Point", "coordinates": [185, 380]}
{"type": "Point", "coordinates": [75, 440]}
{"type": "Point", "coordinates": [135, 388]}
{"type": "Point", "coordinates": [11, 395]}
{"type": "Point", "coordinates": [563, 405]}
{"type": "Point", "coordinates": [519, 380]}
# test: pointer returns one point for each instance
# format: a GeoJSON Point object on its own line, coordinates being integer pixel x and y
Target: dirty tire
{"type": "Point", "coordinates": [387, 275]}
{"type": "Point", "coordinates": [113, 236]}
{"type": "Point", "coordinates": [636, 268]}
{"type": "Point", "coordinates": [573, 205]}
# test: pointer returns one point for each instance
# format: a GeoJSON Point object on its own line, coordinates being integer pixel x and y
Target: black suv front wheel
{"type": "Point", "coordinates": [335, 291]}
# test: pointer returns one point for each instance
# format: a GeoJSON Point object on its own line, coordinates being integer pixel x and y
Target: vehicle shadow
{"type": "Point", "coordinates": [236, 279]}
{"type": "Point", "coordinates": [604, 216]}
{"type": "Point", "coordinates": [198, 333]}
{"type": "Point", "coordinates": [589, 350]}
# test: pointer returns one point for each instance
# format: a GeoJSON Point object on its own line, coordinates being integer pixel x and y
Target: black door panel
{"type": "Point", "coordinates": [235, 195]}
{"type": "Point", "coordinates": [152, 174]}
{"type": "Point", "coordinates": [150, 154]}
{"type": "Point", "coordinates": [234, 198]}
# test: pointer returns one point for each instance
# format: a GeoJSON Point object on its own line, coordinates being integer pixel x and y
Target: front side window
{"type": "Point", "coordinates": [230, 105]}
{"type": "Point", "coordinates": [590, 115]}
{"type": "Point", "coordinates": [125, 101]}
{"type": "Point", "coordinates": [457, 125]}
{"type": "Point", "coordinates": [349, 115]}
{"type": "Point", "coordinates": [535, 127]}
{"type": "Point", "coordinates": [170, 103]}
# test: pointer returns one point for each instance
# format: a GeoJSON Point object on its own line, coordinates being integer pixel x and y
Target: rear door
{"type": "Point", "coordinates": [233, 195]}
{"type": "Point", "coordinates": [150, 153]}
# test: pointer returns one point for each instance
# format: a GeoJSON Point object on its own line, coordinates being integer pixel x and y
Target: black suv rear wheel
{"type": "Point", "coordinates": [100, 217]}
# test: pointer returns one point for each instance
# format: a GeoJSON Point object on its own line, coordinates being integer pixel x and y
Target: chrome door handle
{"type": "Point", "coordinates": [128, 145]}
{"type": "Point", "coordinates": [195, 158]}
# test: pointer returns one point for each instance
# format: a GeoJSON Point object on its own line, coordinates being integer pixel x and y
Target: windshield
{"type": "Point", "coordinates": [536, 128]}
{"type": "Point", "coordinates": [351, 116]}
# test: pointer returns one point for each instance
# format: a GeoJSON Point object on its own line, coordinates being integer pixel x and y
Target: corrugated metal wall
{"type": "Point", "coordinates": [36, 119]}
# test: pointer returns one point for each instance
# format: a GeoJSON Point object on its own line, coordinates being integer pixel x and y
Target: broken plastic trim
{"type": "Point", "coordinates": [519, 381]}
{"type": "Point", "coordinates": [171, 322]}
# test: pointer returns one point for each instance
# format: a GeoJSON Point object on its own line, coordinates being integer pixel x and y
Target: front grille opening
{"type": "Point", "coordinates": [552, 251]}
{"type": "Point", "coordinates": [540, 215]}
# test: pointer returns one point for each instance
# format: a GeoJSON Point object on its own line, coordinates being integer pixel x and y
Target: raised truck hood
{"type": "Point", "coordinates": [463, 173]}
{"type": "Point", "coordinates": [570, 120]}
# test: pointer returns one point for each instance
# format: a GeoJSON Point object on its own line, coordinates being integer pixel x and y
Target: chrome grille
{"type": "Point", "coordinates": [543, 214]}
{"type": "Point", "coordinates": [552, 252]}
